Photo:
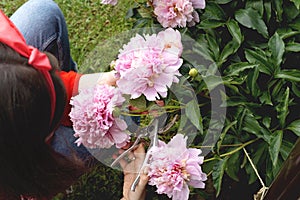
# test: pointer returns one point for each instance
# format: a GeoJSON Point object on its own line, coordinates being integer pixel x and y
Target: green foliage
{"type": "Point", "coordinates": [253, 46]}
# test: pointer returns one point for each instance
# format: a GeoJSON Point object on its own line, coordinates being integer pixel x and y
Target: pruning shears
{"type": "Point", "coordinates": [151, 132]}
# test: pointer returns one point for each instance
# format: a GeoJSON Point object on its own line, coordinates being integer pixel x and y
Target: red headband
{"type": "Point", "coordinates": [10, 36]}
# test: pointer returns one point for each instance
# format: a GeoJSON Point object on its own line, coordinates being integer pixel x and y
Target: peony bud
{"type": "Point", "coordinates": [193, 72]}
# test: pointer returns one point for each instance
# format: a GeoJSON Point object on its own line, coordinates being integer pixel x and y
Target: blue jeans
{"type": "Point", "coordinates": [43, 26]}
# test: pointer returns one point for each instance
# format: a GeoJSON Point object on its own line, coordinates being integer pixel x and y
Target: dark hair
{"type": "Point", "coordinates": [29, 166]}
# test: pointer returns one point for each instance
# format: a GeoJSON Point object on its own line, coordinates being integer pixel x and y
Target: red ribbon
{"type": "Point", "coordinates": [11, 36]}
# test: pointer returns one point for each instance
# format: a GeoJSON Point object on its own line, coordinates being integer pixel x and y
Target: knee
{"type": "Point", "coordinates": [37, 11]}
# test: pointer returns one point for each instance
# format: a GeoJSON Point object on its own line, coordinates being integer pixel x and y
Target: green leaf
{"type": "Point", "coordinates": [255, 57]}
{"type": "Point", "coordinates": [267, 121]}
{"type": "Point", "coordinates": [295, 89]}
{"type": "Point", "coordinates": [278, 9]}
{"type": "Point", "coordinates": [290, 12]}
{"type": "Point", "coordinates": [297, 3]}
{"type": "Point", "coordinates": [251, 125]}
{"type": "Point", "coordinates": [223, 134]}
{"type": "Point", "coordinates": [144, 12]}
{"type": "Point", "coordinates": [140, 102]}
{"type": "Point", "coordinates": [213, 46]}
{"type": "Point", "coordinates": [192, 111]}
{"type": "Point", "coordinates": [240, 101]}
{"type": "Point", "coordinates": [289, 74]}
{"type": "Point", "coordinates": [210, 23]}
{"type": "Point", "coordinates": [282, 108]}
{"type": "Point", "coordinates": [276, 46]}
{"type": "Point", "coordinates": [218, 172]}
{"type": "Point", "coordinates": [233, 166]}
{"type": "Point", "coordinates": [268, 10]}
{"type": "Point", "coordinates": [257, 157]}
{"type": "Point", "coordinates": [141, 22]}
{"type": "Point", "coordinates": [295, 127]}
{"type": "Point", "coordinates": [293, 47]}
{"type": "Point", "coordinates": [275, 144]}
{"type": "Point", "coordinates": [265, 98]}
{"type": "Point", "coordinates": [212, 81]}
{"type": "Point", "coordinates": [285, 32]}
{"type": "Point", "coordinates": [252, 82]}
{"type": "Point", "coordinates": [214, 11]}
{"type": "Point", "coordinates": [235, 31]}
{"type": "Point", "coordinates": [250, 18]}
{"type": "Point", "coordinates": [256, 5]}
{"type": "Point", "coordinates": [286, 148]}
{"type": "Point", "coordinates": [129, 13]}
{"type": "Point", "coordinates": [201, 48]}
{"type": "Point", "coordinates": [296, 24]}
{"type": "Point", "coordinates": [277, 89]}
{"type": "Point", "coordinates": [269, 171]}
{"type": "Point", "coordinates": [230, 48]}
{"type": "Point", "coordinates": [236, 68]}
{"type": "Point", "coordinates": [222, 1]}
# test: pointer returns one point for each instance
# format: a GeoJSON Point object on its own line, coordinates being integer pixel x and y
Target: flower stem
{"type": "Point", "coordinates": [233, 151]}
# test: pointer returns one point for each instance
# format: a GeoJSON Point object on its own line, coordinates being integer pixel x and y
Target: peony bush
{"type": "Point", "coordinates": [236, 67]}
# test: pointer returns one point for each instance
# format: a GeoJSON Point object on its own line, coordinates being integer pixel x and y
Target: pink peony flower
{"type": "Point", "coordinates": [177, 13]}
{"type": "Point", "coordinates": [149, 65]}
{"type": "Point", "coordinates": [111, 2]}
{"type": "Point", "coordinates": [93, 120]}
{"type": "Point", "coordinates": [173, 167]}
{"type": "Point", "coordinates": [173, 13]}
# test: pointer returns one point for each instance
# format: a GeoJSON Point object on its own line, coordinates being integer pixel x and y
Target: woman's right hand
{"type": "Point", "coordinates": [131, 169]}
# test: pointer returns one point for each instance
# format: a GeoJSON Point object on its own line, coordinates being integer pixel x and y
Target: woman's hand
{"type": "Point", "coordinates": [131, 169]}
{"type": "Point", "coordinates": [89, 80]}
{"type": "Point", "coordinates": [108, 78]}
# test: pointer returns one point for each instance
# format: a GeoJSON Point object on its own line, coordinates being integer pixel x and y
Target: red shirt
{"type": "Point", "coordinates": [71, 82]}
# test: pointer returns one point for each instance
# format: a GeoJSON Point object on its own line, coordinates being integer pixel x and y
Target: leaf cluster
{"type": "Point", "coordinates": [247, 56]}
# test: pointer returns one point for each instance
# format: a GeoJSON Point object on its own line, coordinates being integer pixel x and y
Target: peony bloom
{"type": "Point", "coordinates": [198, 4]}
{"type": "Point", "coordinates": [149, 65]}
{"type": "Point", "coordinates": [173, 167]}
{"type": "Point", "coordinates": [93, 120]}
{"type": "Point", "coordinates": [111, 2]}
{"type": "Point", "coordinates": [173, 13]}
{"type": "Point", "coordinates": [177, 13]}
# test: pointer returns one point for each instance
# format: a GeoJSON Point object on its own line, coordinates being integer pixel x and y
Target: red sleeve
{"type": "Point", "coordinates": [71, 81]}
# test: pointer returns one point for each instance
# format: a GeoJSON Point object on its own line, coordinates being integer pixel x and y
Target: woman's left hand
{"type": "Point", "coordinates": [108, 78]}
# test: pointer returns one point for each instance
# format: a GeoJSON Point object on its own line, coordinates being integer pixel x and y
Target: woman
{"type": "Point", "coordinates": [37, 152]}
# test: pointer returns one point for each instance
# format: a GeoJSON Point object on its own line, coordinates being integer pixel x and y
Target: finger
{"type": "Point", "coordinates": [144, 176]}
{"type": "Point", "coordinates": [123, 163]}
{"type": "Point", "coordinates": [127, 145]}
{"type": "Point", "coordinates": [139, 152]}
{"type": "Point", "coordinates": [131, 156]}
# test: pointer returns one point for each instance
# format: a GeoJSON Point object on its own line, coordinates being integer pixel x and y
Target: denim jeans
{"type": "Point", "coordinates": [43, 26]}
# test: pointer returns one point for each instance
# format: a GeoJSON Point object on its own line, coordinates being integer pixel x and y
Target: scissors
{"type": "Point", "coordinates": [151, 132]}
